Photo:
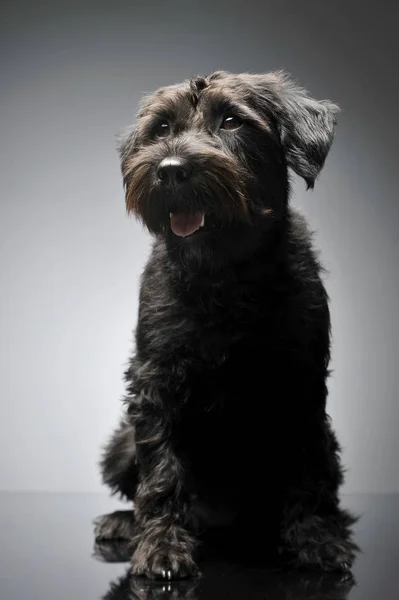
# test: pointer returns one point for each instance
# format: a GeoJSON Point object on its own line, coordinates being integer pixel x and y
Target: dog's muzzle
{"type": "Point", "coordinates": [173, 173]}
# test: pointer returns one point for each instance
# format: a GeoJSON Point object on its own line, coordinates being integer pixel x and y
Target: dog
{"type": "Point", "coordinates": [225, 439]}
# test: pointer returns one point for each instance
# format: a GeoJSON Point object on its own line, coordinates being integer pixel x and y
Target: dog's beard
{"type": "Point", "coordinates": [217, 193]}
{"type": "Point", "coordinates": [205, 223]}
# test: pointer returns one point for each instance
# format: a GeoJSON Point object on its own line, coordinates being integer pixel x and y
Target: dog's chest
{"type": "Point", "coordinates": [222, 323]}
{"type": "Point", "coordinates": [229, 419]}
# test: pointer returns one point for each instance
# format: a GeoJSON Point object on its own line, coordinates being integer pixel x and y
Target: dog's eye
{"type": "Point", "coordinates": [231, 123]}
{"type": "Point", "coordinates": [162, 129]}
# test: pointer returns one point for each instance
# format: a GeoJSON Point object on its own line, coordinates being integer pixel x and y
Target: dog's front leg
{"type": "Point", "coordinates": [163, 544]}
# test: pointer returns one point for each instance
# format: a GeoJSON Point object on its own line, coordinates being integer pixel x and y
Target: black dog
{"type": "Point", "coordinates": [226, 437]}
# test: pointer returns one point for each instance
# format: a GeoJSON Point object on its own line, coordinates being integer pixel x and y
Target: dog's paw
{"type": "Point", "coordinates": [111, 551]}
{"type": "Point", "coordinates": [335, 557]}
{"type": "Point", "coordinates": [118, 525]}
{"type": "Point", "coordinates": [321, 543]}
{"type": "Point", "coordinates": [166, 564]}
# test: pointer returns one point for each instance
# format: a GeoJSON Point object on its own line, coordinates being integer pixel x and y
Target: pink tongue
{"type": "Point", "coordinates": [184, 224]}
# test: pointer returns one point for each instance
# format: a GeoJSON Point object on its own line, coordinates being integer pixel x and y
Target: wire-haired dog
{"type": "Point", "coordinates": [226, 435]}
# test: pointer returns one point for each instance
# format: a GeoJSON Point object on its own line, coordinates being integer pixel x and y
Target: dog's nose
{"type": "Point", "coordinates": [174, 171]}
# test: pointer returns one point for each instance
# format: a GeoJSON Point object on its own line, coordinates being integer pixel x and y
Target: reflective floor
{"type": "Point", "coordinates": [47, 552]}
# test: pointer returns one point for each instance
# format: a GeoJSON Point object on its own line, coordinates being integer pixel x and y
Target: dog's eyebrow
{"type": "Point", "coordinates": [223, 105]}
{"type": "Point", "coordinates": [166, 105]}
{"type": "Point", "coordinates": [248, 113]}
{"type": "Point", "coordinates": [148, 121]}
{"type": "Point", "coordinates": [169, 107]}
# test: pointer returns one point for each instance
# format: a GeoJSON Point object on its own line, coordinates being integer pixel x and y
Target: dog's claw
{"type": "Point", "coordinates": [169, 575]}
{"type": "Point", "coordinates": [163, 574]}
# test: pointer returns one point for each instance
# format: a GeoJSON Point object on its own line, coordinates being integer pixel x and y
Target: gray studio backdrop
{"type": "Point", "coordinates": [71, 76]}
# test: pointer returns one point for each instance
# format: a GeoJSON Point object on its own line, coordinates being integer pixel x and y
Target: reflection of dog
{"type": "Point", "coordinates": [226, 395]}
{"type": "Point", "coordinates": [235, 583]}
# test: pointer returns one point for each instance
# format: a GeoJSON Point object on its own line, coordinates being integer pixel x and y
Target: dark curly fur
{"type": "Point", "coordinates": [226, 437]}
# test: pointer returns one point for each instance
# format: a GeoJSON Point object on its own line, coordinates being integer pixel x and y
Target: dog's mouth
{"type": "Point", "coordinates": [184, 224]}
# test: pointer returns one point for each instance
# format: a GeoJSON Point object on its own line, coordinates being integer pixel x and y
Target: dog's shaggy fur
{"type": "Point", "coordinates": [226, 438]}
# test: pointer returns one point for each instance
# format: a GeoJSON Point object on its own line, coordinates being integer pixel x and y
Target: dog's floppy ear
{"type": "Point", "coordinates": [306, 125]}
{"type": "Point", "coordinates": [126, 143]}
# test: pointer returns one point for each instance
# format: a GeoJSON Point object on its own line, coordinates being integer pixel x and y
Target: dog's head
{"type": "Point", "coordinates": [206, 163]}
